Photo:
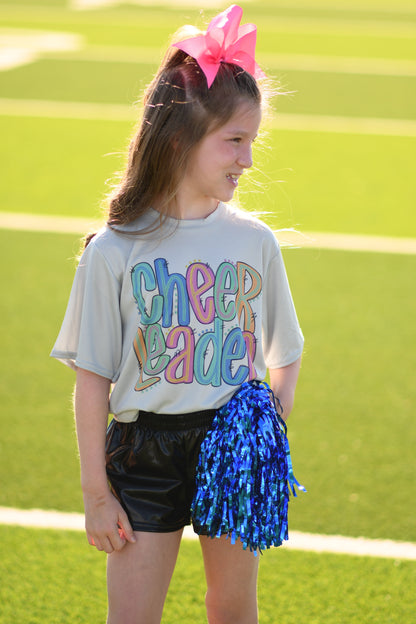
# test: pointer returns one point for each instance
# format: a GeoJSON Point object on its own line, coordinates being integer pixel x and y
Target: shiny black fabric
{"type": "Point", "coordinates": [151, 465]}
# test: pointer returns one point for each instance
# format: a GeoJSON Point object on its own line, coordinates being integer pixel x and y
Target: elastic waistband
{"type": "Point", "coordinates": [176, 422]}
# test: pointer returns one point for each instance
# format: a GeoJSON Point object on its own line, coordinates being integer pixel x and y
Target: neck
{"type": "Point", "coordinates": [188, 210]}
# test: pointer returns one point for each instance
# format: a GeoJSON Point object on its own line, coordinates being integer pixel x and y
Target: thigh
{"type": "Point", "coordinates": [231, 575]}
{"type": "Point", "coordinates": [138, 578]}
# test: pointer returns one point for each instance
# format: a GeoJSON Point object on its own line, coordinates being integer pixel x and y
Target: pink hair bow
{"type": "Point", "coordinates": [225, 41]}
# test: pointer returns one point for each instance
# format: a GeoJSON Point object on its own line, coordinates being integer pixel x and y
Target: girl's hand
{"type": "Point", "coordinates": [107, 525]}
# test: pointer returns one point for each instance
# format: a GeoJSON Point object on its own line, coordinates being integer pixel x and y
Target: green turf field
{"type": "Point", "coordinates": [352, 432]}
{"type": "Point", "coordinates": [295, 588]}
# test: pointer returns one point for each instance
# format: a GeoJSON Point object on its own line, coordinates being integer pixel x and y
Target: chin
{"type": "Point", "coordinates": [226, 196]}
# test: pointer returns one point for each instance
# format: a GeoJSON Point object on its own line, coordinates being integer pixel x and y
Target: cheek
{"type": "Point", "coordinates": [227, 153]}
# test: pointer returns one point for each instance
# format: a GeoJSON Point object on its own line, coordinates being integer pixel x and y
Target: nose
{"type": "Point", "coordinates": [245, 156]}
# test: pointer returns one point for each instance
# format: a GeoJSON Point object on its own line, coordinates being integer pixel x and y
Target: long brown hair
{"type": "Point", "coordinates": [179, 110]}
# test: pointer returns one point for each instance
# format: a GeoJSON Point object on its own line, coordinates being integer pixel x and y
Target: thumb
{"type": "Point", "coordinates": [125, 530]}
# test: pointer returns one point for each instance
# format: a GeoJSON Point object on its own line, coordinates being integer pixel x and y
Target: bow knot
{"type": "Point", "coordinates": [225, 41]}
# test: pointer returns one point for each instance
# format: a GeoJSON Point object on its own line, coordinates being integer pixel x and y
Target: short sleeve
{"type": "Point", "coordinates": [91, 332]}
{"type": "Point", "coordinates": [282, 335]}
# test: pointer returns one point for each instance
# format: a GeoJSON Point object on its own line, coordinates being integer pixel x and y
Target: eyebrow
{"type": "Point", "coordinates": [234, 131]}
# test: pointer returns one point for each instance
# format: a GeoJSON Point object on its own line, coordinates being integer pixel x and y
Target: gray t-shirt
{"type": "Point", "coordinates": [179, 318]}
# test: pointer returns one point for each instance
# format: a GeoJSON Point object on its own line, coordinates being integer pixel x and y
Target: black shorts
{"type": "Point", "coordinates": [151, 465]}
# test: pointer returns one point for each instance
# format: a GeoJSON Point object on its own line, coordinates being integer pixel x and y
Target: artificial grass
{"type": "Point", "coordinates": [75, 159]}
{"type": "Point", "coordinates": [331, 182]}
{"type": "Point", "coordinates": [352, 432]}
{"type": "Point", "coordinates": [336, 33]}
{"type": "Point", "coordinates": [312, 92]}
{"type": "Point", "coordinates": [78, 81]}
{"type": "Point", "coordinates": [52, 577]}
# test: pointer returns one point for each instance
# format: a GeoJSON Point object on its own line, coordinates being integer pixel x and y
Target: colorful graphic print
{"type": "Point", "coordinates": [214, 338]}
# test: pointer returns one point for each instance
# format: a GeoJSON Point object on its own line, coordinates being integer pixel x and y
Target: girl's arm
{"type": "Point", "coordinates": [283, 383]}
{"type": "Point", "coordinates": [104, 515]}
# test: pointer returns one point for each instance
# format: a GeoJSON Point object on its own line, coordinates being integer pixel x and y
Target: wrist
{"type": "Point", "coordinates": [95, 488]}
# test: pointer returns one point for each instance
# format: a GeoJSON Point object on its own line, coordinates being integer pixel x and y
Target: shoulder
{"type": "Point", "coordinates": [108, 251]}
{"type": "Point", "coordinates": [250, 224]}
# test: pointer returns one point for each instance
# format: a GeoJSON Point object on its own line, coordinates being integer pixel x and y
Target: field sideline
{"type": "Point", "coordinates": [37, 518]}
{"type": "Point", "coordinates": [283, 121]}
{"type": "Point", "coordinates": [287, 238]}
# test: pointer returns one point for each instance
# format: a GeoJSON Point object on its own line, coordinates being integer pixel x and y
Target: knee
{"type": "Point", "coordinates": [225, 609]}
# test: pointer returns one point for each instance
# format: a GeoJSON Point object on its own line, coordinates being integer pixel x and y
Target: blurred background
{"type": "Point", "coordinates": [336, 163]}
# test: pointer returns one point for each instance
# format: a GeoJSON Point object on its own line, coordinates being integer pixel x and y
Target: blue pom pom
{"type": "Point", "coordinates": [244, 472]}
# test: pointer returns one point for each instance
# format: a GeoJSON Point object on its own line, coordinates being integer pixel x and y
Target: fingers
{"type": "Point", "coordinates": [113, 540]}
{"type": "Point", "coordinates": [107, 524]}
{"type": "Point", "coordinates": [124, 528]}
{"type": "Point", "coordinates": [107, 544]}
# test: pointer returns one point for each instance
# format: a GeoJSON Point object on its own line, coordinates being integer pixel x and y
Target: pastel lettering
{"type": "Point", "coordinates": [143, 273]}
{"type": "Point", "coordinates": [246, 274]}
{"type": "Point", "coordinates": [207, 364]}
{"type": "Point", "coordinates": [234, 349]}
{"type": "Point", "coordinates": [199, 279]}
{"type": "Point", "coordinates": [184, 359]}
{"type": "Point", "coordinates": [155, 349]}
{"type": "Point", "coordinates": [167, 284]}
{"type": "Point", "coordinates": [141, 354]}
{"type": "Point", "coordinates": [225, 284]}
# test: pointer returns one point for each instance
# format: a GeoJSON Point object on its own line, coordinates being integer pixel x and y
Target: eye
{"type": "Point", "coordinates": [236, 140]}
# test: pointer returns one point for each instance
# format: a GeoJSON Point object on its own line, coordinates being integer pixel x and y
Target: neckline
{"type": "Point", "coordinates": [188, 223]}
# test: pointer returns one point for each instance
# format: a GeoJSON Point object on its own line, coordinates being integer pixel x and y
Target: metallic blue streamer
{"type": "Point", "coordinates": [244, 472]}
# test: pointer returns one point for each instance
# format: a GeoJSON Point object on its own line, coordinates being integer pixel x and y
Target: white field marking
{"type": "Point", "coordinates": [339, 64]}
{"type": "Point", "coordinates": [343, 125]}
{"type": "Point", "coordinates": [67, 110]}
{"type": "Point", "coordinates": [15, 57]}
{"type": "Point", "coordinates": [20, 46]}
{"type": "Point", "coordinates": [45, 223]}
{"type": "Point", "coordinates": [396, 27]}
{"type": "Point", "coordinates": [37, 518]}
{"type": "Point", "coordinates": [344, 26]}
{"type": "Point", "coordinates": [386, 8]}
{"type": "Point", "coordinates": [287, 237]}
{"type": "Point", "coordinates": [297, 62]}
{"type": "Point", "coordinates": [282, 121]}
{"type": "Point", "coordinates": [346, 242]}
{"type": "Point", "coordinates": [88, 5]}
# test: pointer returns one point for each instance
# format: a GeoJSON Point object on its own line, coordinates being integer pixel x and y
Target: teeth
{"type": "Point", "coordinates": [232, 176]}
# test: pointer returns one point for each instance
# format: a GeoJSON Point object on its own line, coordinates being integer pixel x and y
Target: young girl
{"type": "Point", "coordinates": [178, 307]}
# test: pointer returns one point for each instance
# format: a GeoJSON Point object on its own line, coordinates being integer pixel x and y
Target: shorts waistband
{"type": "Point", "coordinates": [176, 422]}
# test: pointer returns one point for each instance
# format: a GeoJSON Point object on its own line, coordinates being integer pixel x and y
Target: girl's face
{"type": "Point", "coordinates": [217, 162]}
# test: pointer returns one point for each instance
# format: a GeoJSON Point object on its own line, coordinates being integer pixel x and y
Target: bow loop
{"type": "Point", "coordinates": [225, 41]}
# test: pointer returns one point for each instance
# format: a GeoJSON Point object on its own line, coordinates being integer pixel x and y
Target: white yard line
{"type": "Point", "coordinates": [345, 125]}
{"type": "Point", "coordinates": [280, 62]}
{"type": "Point", "coordinates": [37, 518]}
{"type": "Point", "coordinates": [88, 5]}
{"type": "Point", "coordinates": [347, 242]}
{"type": "Point", "coordinates": [67, 110]}
{"type": "Point", "coordinates": [342, 6]}
{"type": "Point", "coordinates": [96, 111]}
{"type": "Point", "coordinates": [45, 223]}
{"type": "Point", "coordinates": [20, 46]}
{"type": "Point", "coordinates": [35, 44]}
{"type": "Point", "coordinates": [287, 237]}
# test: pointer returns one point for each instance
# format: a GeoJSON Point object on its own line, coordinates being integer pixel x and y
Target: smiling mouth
{"type": "Point", "coordinates": [233, 178]}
